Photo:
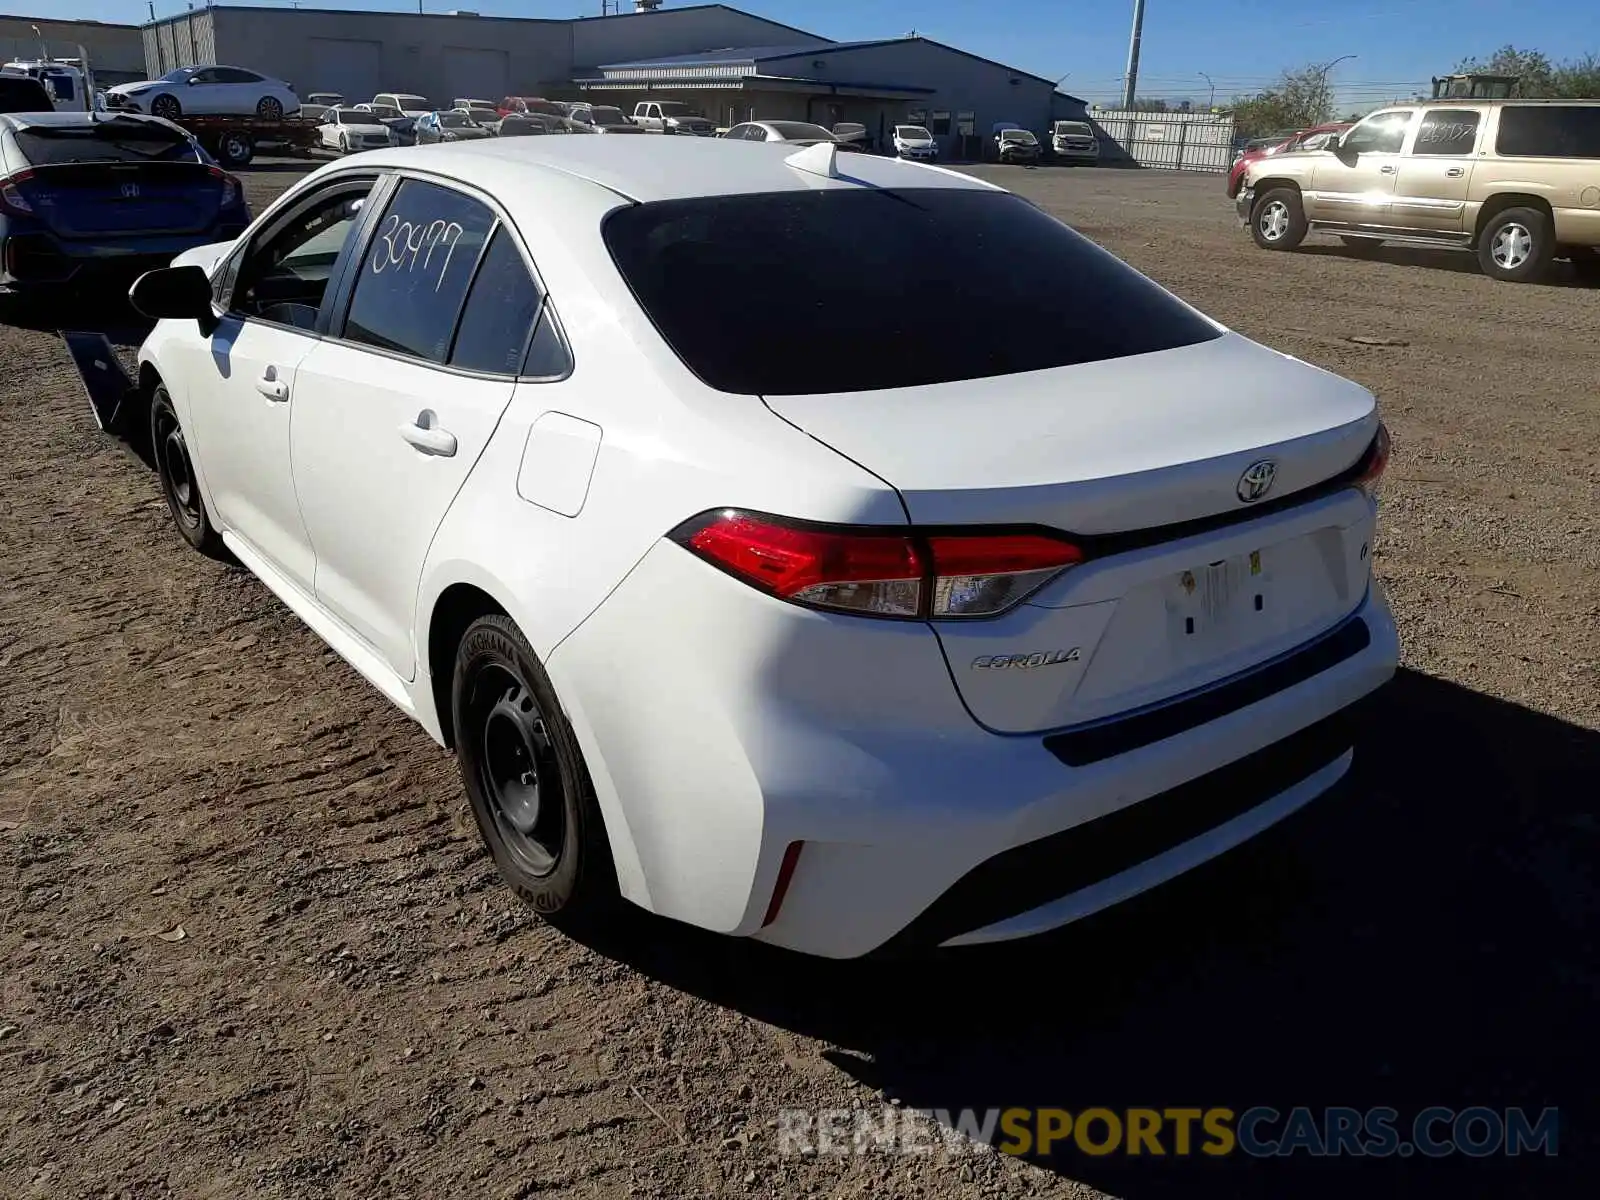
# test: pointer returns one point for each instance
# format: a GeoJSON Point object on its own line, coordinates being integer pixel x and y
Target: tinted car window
{"type": "Point", "coordinates": [1549, 131]}
{"type": "Point", "coordinates": [838, 290]}
{"type": "Point", "coordinates": [417, 269]}
{"type": "Point", "coordinates": [1447, 131]}
{"type": "Point", "coordinates": [500, 312]}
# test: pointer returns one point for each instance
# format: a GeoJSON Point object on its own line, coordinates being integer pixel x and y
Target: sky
{"type": "Point", "coordinates": [1241, 44]}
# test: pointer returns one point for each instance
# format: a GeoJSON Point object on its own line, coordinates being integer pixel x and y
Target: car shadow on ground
{"type": "Point", "coordinates": [1460, 262]}
{"type": "Point", "coordinates": [1422, 935]}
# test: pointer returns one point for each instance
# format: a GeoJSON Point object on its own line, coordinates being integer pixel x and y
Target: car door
{"type": "Point", "coordinates": [393, 412]}
{"type": "Point", "coordinates": [275, 292]}
{"type": "Point", "coordinates": [1431, 185]}
{"type": "Point", "coordinates": [203, 93]}
{"type": "Point", "coordinates": [1354, 183]}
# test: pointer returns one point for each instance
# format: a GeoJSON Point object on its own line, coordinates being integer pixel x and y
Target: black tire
{"type": "Point", "coordinates": [166, 106]}
{"type": "Point", "coordinates": [1516, 245]}
{"type": "Point", "coordinates": [175, 471]}
{"type": "Point", "coordinates": [235, 149]}
{"type": "Point", "coordinates": [1277, 220]}
{"type": "Point", "coordinates": [1361, 244]}
{"type": "Point", "coordinates": [525, 776]}
{"type": "Point", "coordinates": [269, 108]}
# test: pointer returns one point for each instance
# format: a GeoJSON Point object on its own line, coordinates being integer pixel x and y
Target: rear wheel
{"type": "Point", "coordinates": [166, 106]}
{"type": "Point", "coordinates": [270, 108]}
{"type": "Point", "coordinates": [175, 470]}
{"type": "Point", "coordinates": [1516, 245]}
{"type": "Point", "coordinates": [525, 776]}
{"type": "Point", "coordinates": [1278, 221]}
{"type": "Point", "coordinates": [235, 149]}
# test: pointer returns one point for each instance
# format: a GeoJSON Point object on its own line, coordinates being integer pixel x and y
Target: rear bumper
{"type": "Point", "coordinates": [31, 255]}
{"type": "Point", "coordinates": [724, 731]}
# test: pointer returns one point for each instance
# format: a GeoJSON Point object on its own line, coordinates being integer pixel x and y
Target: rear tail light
{"type": "Point", "coordinates": [230, 187]}
{"type": "Point", "coordinates": [11, 198]}
{"type": "Point", "coordinates": [904, 574]}
{"type": "Point", "coordinates": [1374, 461]}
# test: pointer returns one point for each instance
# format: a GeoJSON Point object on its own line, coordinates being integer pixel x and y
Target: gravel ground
{"type": "Point", "coordinates": [253, 948]}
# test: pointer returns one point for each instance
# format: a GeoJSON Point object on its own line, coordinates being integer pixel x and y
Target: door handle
{"type": "Point", "coordinates": [1386, 170]}
{"type": "Point", "coordinates": [424, 434]}
{"type": "Point", "coordinates": [1454, 173]}
{"type": "Point", "coordinates": [273, 388]}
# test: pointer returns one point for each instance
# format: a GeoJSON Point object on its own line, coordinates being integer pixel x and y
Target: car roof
{"type": "Point", "coordinates": [649, 169]}
{"type": "Point", "coordinates": [66, 119]}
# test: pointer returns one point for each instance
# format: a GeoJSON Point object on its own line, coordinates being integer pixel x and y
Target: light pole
{"type": "Point", "coordinates": [1131, 84]}
{"type": "Point", "coordinates": [1322, 84]}
{"type": "Point", "coordinates": [1212, 102]}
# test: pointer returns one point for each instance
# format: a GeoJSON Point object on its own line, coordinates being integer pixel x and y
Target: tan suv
{"type": "Point", "coordinates": [1517, 181]}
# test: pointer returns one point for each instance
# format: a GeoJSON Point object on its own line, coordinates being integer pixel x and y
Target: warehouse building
{"type": "Point", "coordinates": [115, 52]}
{"type": "Point", "coordinates": [732, 65]}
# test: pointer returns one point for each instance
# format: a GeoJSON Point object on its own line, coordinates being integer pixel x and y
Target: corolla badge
{"type": "Point", "coordinates": [1024, 662]}
{"type": "Point", "coordinates": [1257, 479]}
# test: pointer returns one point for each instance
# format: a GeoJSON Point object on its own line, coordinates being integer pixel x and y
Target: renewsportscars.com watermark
{"type": "Point", "coordinates": [1261, 1132]}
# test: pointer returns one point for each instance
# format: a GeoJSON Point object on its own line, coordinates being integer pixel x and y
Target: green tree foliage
{"type": "Point", "coordinates": [1574, 79]}
{"type": "Point", "coordinates": [1298, 99]}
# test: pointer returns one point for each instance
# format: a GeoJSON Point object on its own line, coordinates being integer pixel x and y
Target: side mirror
{"type": "Point", "coordinates": [175, 293]}
{"type": "Point", "coordinates": [192, 80]}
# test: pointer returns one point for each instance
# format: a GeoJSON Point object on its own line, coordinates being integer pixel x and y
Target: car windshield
{"type": "Point", "coordinates": [1077, 128]}
{"type": "Point", "coordinates": [963, 283]}
{"type": "Point", "coordinates": [384, 110]}
{"type": "Point", "coordinates": [547, 108]}
{"type": "Point", "coordinates": [1017, 135]}
{"type": "Point", "coordinates": [178, 76]}
{"type": "Point", "coordinates": [117, 140]}
{"type": "Point", "coordinates": [671, 108]}
{"type": "Point", "coordinates": [607, 116]}
{"type": "Point", "coordinates": [912, 133]}
{"type": "Point", "coordinates": [794, 131]}
{"type": "Point", "coordinates": [353, 116]}
{"type": "Point", "coordinates": [416, 103]}
{"type": "Point", "coordinates": [456, 120]}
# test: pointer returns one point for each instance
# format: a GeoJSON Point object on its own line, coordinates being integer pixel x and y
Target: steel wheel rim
{"type": "Point", "coordinates": [1513, 246]}
{"type": "Point", "coordinates": [1274, 220]}
{"type": "Point", "coordinates": [520, 775]}
{"type": "Point", "coordinates": [177, 472]}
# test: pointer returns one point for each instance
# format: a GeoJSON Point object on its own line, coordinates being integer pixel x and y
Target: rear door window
{"type": "Point", "coordinates": [854, 289]}
{"type": "Point", "coordinates": [417, 268]}
{"type": "Point", "coordinates": [501, 309]}
{"type": "Point", "coordinates": [1447, 131]}
{"type": "Point", "coordinates": [1549, 131]}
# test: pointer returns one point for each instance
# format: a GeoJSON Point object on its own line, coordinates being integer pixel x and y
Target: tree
{"type": "Point", "coordinates": [1144, 104]}
{"type": "Point", "coordinates": [1299, 99]}
{"type": "Point", "coordinates": [1575, 79]}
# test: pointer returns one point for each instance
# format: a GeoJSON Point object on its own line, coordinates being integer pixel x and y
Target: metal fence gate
{"type": "Point", "coordinates": [1172, 141]}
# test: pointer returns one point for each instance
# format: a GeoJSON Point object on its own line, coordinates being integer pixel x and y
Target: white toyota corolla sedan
{"type": "Point", "coordinates": [830, 550]}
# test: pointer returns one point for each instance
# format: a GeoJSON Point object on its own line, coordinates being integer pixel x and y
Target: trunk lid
{"type": "Point", "coordinates": [77, 200]}
{"type": "Point", "coordinates": [1129, 447]}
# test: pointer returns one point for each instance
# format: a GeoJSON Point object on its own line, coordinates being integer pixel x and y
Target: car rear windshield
{"type": "Point", "coordinates": [1549, 131]}
{"type": "Point", "coordinates": [607, 116]}
{"type": "Point", "coordinates": [105, 141]}
{"type": "Point", "coordinates": [855, 289]}
{"type": "Point", "coordinates": [455, 120]}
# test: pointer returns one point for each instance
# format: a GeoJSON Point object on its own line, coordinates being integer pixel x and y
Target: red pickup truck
{"type": "Point", "coordinates": [1314, 138]}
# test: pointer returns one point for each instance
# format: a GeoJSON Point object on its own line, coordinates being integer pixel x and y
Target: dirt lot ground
{"type": "Point", "coordinates": [252, 947]}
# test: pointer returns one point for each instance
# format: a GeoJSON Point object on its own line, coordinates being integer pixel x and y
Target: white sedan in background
{"type": "Point", "coordinates": [796, 133]}
{"type": "Point", "coordinates": [351, 129]}
{"type": "Point", "coordinates": [837, 649]}
{"type": "Point", "coordinates": [206, 91]}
